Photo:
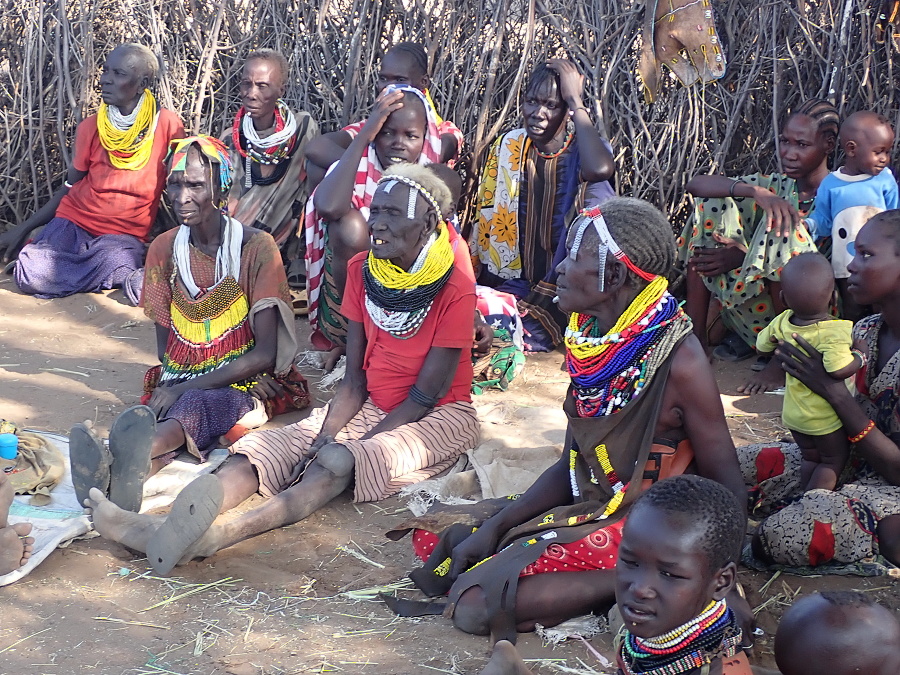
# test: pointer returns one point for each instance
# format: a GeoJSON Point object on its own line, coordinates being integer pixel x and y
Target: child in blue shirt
{"type": "Point", "coordinates": [852, 194]}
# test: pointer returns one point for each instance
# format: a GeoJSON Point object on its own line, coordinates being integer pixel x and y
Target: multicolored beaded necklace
{"type": "Point", "coordinates": [713, 634]}
{"type": "Point", "coordinates": [567, 141]}
{"type": "Point", "coordinates": [272, 149]}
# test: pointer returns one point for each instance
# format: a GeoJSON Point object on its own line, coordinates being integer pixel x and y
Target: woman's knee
{"type": "Point", "coordinates": [470, 614]}
{"type": "Point", "coordinates": [349, 235]}
{"type": "Point", "coordinates": [336, 458]}
{"type": "Point", "coordinates": [889, 538]}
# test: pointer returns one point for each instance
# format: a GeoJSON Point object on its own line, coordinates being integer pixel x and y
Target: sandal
{"type": "Point", "coordinates": [761, 363]}
{"type": "Point", "coordinates": [733, 349]}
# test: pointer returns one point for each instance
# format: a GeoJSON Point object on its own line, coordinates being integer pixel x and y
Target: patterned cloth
{"type": "Point", "coordinates": [65, 259]}
{"type": "Point", "coordinates": [821, 526]}
{"type": "Point", "coordinates": [384, 463]}
{"type": "Point", "coordinates": [746, 304]}
{"type": "Point", "coordinates": [525, 203]}
{"type": "Point", "coordinates": [506, 357]}
{"type": "Point", "coordinates": [367, 174]}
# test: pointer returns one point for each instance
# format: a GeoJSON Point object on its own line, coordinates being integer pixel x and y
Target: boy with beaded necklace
{"type": "Point", "coordinates": [677, 562]}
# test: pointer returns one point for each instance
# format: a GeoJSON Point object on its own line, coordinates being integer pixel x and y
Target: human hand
{"type": "Point", "coordinates": [473, 549]}
{"type": "Point", "coordinates": [266, 387]}
{"type": "Point", "coordinates": [11, 242]}
{"type": "Point", "coordinates": [389, 100]}
{"type": "Point", "coordinates": [711, 262]}
{"type": "Point", "coordinates": [164, 397]}
{"type": "Point", "coordinates": [783, 217]}
{"type": "Point", "coordinates": [484, 334]}
{"type": "Point", "coordinates": [571, 82]}
{"type": "Point", "coordinates": [806, 364]}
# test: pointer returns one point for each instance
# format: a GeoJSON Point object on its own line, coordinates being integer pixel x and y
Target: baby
{"type": "Point", "coordinates": [844, 633]}
{"type": "Point", "coordinates": [852, 194]}
{"type": "Point", "coordinates": [807, 289]}
{"type": "Point", "coordinates": [677, 562]}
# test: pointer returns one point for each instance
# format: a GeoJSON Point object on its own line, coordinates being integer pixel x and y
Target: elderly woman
{"type": "Point", "coordinates": [634, 366]}
{"type": "Point", "coordinates": [401, 414]}
{"type": "Point", "coordinates": [97, 222]}
{"type": "Point", "coordinates": [861, 519]}
{"type": "Point", "coordinates": [217, 292]}
{"type": "Point", "coordinates": [533, 183]}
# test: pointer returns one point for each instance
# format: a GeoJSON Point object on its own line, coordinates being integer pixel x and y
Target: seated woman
{"type": "Point", "coordinates": [401, 414]}
{"type": "Point", "coordinates": [218, 295]}
{"type": "Point", "coordinates": [401, 128]}
{"type": "Point", "coordinates": [534, 182]}
{"type": "Point", "coordinates": [634, 366]}
{"type": "Point", "coordinates": [267, 147]}
{"type": "Point", "coordinates": [745, 229]}
{"type": "Point", "coordinates": [403, 65]}
{"type": "Point", "coordinates": [861, 518]}
{"type": "Point", "coordinates": [97, 222]}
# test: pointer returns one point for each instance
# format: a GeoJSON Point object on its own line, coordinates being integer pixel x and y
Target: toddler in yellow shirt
{"type": "Point", "coordinates": [807, 286]}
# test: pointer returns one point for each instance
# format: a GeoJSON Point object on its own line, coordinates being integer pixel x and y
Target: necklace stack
{"type": "Point", "coordinates": [398, 301]}
{"type": "Point", "coordinates": [128, 139]}
{"type": "Point", "coordinates": [712, 634]}
{"type": "Point", "coordinates": [270, 150]}
{"type": "Point", "coordinates": [570, 136]}
{"type": "Point", "coordinates": [608, 370]}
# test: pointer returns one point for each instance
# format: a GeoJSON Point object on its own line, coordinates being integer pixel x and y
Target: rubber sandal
{"type": "Point", "coordinates": [761, 363]}
{"type": "Point", "coordinates": [90, 461]}
{"type": "Point", "coordinates": [733, 349]}
{"type": "Point", "coordinates": [130, 441]}
{"type": "Point", "coordinates": [193, 511]}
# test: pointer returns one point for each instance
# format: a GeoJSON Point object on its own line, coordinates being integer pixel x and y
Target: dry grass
{"type": "Point", "coordinates": [779, 52]}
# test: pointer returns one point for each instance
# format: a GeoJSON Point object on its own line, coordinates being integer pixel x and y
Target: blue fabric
{"type": "Point", "coordinates": [836, 194]}
{"type": "Point", "coordinates": [65, 259]}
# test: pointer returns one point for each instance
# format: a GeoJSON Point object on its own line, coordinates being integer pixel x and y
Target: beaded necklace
{"type": "Point", "coordinates": [713, 634]}
{"type": "Point", "coordinates": [567, 141]}
{"type": "Point", "coordinates": [269, 150]}
{"type": "Point", "coordinates": [128, 139]}
{"type": "Point", "coordinates": [398, 301]}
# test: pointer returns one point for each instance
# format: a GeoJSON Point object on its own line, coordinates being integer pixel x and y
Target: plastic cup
{"type": "Point", "coordinates": [9, 446]}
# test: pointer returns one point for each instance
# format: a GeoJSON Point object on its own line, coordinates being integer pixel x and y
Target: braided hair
{"type": "Point", "coordinates": [710, 509]}
{"type": "Point", "coordinates": [415, 51]}
{"type": "Point", "coordinates": [539, 76]}
{"type": "Point", "coordinates": [826, 116]}
{"type": "Point", "coordinates": [641, 231]}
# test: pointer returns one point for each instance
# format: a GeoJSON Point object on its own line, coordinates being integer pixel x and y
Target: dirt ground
{"type": "Point", "coordinates": [278, 603]}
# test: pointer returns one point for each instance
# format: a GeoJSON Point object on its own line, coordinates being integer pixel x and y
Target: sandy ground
{"type": "Point", "coordinates": [277, 603]}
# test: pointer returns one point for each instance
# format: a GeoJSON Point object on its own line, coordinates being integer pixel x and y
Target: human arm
{"type": "Point", "coordinates": [551, 489]}
{"type": "Point", "coordinates": [891, 193]}
{"type": "Point", "coordinates": [484, 334]}
{"type": "Point", "coordinates": [259, 359]}
{"type": "Point", "coordinates": [878, 449]}
{"type": "Point", "coordinates": [332, 198]}
{"type": "Point", "coordinates": [325, 150]}
{"type": "Point", "coordinates": [782, 216]}
{"type": "Point", "coordinates": [13, 239]}
{"type": "Point", "coordinates": [449, 148]}
{"type": "Point", "coordinates": [597, 163]}
{"type": "Point", "coordinates": [849, 370]}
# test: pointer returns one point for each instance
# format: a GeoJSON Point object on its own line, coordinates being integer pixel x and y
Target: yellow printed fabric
{"type": "Point", "coordinates": [495, 241]}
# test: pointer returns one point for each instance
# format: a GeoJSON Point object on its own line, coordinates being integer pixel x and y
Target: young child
{"type": "Point", "coordinates": [855, 192]}
{"type": "Point", "coordinates": [844, 633]}
{"type": "Point", "coordinates": [677, 562]}
{"type": "Point", "coordinates": [807, 289]}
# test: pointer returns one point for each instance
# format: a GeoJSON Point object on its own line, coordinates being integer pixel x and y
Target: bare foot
{"type": "Point", "coordinates": [505, 661]}
{"type": "Point", "coordinates": [129, 529]}
{"type": "Point", "coordinates": [15, 547]}
{"type": "Point", "coordinates": [6, 497]}
{"type": "Point", "coordinates": [769, 378]}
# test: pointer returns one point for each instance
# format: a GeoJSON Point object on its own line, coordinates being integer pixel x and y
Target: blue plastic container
{"type": "Point", "coordinates": [9, 446]}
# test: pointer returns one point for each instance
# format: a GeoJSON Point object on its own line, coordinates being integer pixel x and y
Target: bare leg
{"type": "Point", "coordinates": [889, 538]}
{"type": "Point", "coordinates": [346, 237]}
{"type": "Point", "coordinates": [505, 661]}
{"type": "Point", "coordinates": [696, 305]}
{"type": "Point", "coordinates": [547, 599]}
{"type": "Point", "coordinates": [168, 438]}
{"type": "Point", "coordinates": [823, 460]}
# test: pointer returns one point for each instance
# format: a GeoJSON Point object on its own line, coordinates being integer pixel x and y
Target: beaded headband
{"type": "Point", "coordinates": [210, 146]}
{"type": "Point", "coordinates": [414, 187]}
{"type": "Point", "coordinates": [607, 244]}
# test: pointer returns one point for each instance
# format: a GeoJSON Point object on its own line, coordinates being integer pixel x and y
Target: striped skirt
{"type": "Point", "coordinates": [385, 463]}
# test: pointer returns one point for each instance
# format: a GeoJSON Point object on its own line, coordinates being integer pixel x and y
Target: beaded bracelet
{"type": "Point", "coordinates": [734, 184]}
{"type": "Point", "coordinates": [862, 357]}
{"type": "Point", "coordinates": [862, 434]}
{"type": "Point", "coordinates": [67, 184]}
{"type": "Point", "coordinates": [419, 397]}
